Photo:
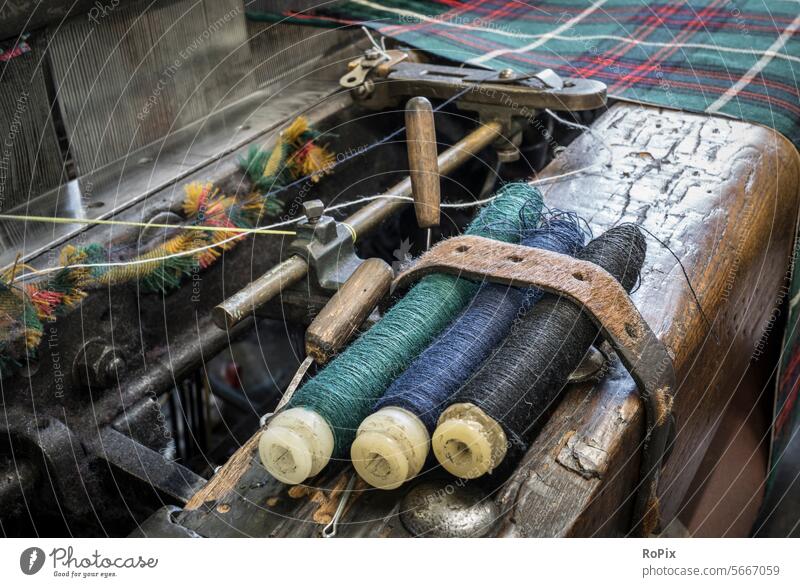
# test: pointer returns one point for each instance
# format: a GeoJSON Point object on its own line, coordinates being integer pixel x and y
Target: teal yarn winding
{"type": "Point", "coordinates": [344, 392]}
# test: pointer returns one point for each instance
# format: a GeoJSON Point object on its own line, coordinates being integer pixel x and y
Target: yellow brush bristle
{"type": "Point", "coordinates": [291, 134]}
{"type": "Point", "coordinates": [317, 162]}
{"type": "Point", "coordinates": [196, 192]}
{"type": "Point", "coordinates": [275, 160]}
{"type": "Point", "coordinates": [181, 243]}
{"type": "Point", "coordinates": [80, 276]}
{"type": "Point", "coordinates": [32, 337]}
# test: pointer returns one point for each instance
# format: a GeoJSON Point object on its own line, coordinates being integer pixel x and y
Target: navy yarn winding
{"type": "Point", "coordinates": [426, 385]}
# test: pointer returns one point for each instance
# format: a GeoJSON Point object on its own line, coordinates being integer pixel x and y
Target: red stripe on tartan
{"type": "Point", "coordinates": [645, 66]}
{"type": "Point", "coordinates": [771, 101]}
{"type": "Point", "coordinates": [540, 14]}
{"type": "Point", "coordinates": [545, 60]}
{"type": "Point", "coordinates": [730, 23]}
{"type": "Point", "coordinates": [604, 17]}
{"type": "Point", "coordinates": [622, 49]}
{"type": "Point", "coordinates": [666, 52]}
{"type": "Point", "coordinates": [500, 12]}
{"type": "Point", "coordinates": [792, 366]}
{"type": "Point", "coordinates": [494, 15]}
{"type": "Point", "coordinates": [709, 74]}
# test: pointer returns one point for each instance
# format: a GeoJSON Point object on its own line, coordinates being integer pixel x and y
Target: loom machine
{"type": "Point", "coordinates": [205, 408]}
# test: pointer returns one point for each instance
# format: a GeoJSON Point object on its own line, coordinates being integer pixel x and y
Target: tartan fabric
{"type": "Point", "coordinates": [739, 58]}
{"type": "Point", "coordinates": [735, 57]}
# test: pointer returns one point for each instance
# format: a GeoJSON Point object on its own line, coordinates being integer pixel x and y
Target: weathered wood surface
{"type": "Point", "coordinates": [723, 196]}
{"type": "Point", "coordinates": [423, 168]}
{"type": "Point", "coordinates": [347, 309]}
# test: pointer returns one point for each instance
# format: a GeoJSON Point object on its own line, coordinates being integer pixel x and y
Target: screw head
{"type": "Point", "coordinates": [98, 365]}
{"type": "Point", "coordinates": [313, 209]}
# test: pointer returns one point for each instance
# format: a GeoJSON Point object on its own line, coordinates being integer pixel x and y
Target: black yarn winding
{"type": "Point", "coordinates": [519, 384]}
{"type": "Point", "coordinates": [425, 386]}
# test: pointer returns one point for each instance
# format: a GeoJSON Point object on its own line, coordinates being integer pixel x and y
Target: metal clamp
{"type": "Point", "coordinates": [606, 302]}
{"type": "Point", "coordinates": [504, 92]}
{"type": "Point", "coordinates": [327, 246]}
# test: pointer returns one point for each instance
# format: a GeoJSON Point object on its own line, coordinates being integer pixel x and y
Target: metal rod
{"type": "Point", "coordinates": [363, 221]}
{"type": "Point", "coordinates": [259, 292]}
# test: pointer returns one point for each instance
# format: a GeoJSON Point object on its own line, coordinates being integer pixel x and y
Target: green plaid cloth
{"type": "Point", "coordinates": [735, 57]}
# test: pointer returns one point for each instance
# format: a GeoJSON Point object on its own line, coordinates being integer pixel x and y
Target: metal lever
{"type": "Point", "coordinates": [494, 94]}
{"type": "Point", "coordinates": [422, 164]}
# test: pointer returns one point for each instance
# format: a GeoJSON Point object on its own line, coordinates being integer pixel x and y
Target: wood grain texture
{"type": "Point", "coordinates": [722, 195]}
{"type": "Point", "coordinates": [423, 167]}
{"type": "Point", "coordinates": [347, 309]}
{"type": "Point", "coordinates": [225, 480]}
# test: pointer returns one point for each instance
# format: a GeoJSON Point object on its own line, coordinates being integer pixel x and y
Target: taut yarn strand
{"type": "Point", "coordinates": [518, 386]}
{"type": "Point", "coordinates": [344, 392]}
{"type": "Point", "coordinates": [424, 388]}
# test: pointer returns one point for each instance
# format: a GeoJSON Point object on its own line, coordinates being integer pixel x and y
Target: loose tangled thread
{"type": "Point", "coordinates": [295, 160]}
{"type": "Point", "coordinates": [344, 392]}
{"type": "Point", "coordinates": [426, 386]}
{"type": "Point", "coordinates": [518, 387]}
{"type": "Point", "coordinates": [26, 305]}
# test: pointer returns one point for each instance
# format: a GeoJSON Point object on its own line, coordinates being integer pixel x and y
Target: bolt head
{"type": "Point", "coordinates": [98, 365]}
{"type": "Point", "coordinates": [313, 209]}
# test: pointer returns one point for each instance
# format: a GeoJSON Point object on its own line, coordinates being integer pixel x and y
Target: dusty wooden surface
{"type": "Point", "coordinates": [723, 196]}
{"type": "Point", "coordinates": [347, 309]}
{"type": "Point", "coordinates": [422, 165]}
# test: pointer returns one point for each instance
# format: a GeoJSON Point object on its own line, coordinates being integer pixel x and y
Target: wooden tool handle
{"type": "Point", "coordinates": [422, 161]}
{"type": "Point", "coordinates": [347, 309]}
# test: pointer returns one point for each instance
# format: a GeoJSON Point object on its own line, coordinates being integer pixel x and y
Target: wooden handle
{"type": "Point", "coordinates": [347, 309]}
{"type": "Point", "coordinates": [422, 161]}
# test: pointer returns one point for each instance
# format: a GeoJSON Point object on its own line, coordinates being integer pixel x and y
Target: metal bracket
{"type": "Point", "coordinates": [504, 93]}
{"type": "Point", "coordinates": [327, 246]}
{"type": "Point", "coordinates": [359, 69]}
{"type": "Point", "coordinates": [504, 96]}
{"type": "Point", "coordinates": [606, 302]}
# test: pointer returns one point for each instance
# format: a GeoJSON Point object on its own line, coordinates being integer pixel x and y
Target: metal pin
{"type": "Point", "coordinates": [293, 385]}
{"type": "Point", "coordinates": [329, 531]}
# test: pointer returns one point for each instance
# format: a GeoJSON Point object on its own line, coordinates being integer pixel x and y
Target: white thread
{"type": "Point", "coordinates": [244, 233]}
{"type": "Point", "coordinates": [379, 48]}
{"type": "Point", "coordinates": [745, 80]}
{"type": "Point", "coordinates": [581, 38]}
{"type": "Point", "coordinates": [544, 39]}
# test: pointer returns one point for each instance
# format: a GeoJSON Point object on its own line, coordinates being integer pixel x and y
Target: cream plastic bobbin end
{"type": "Point", "coordinates": [296, 445]}
{"type": "Point", "coordinates": [467, 442]}
{"type": "Point", "coordinates": [390, 448]}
